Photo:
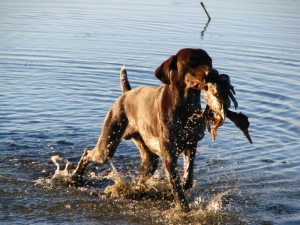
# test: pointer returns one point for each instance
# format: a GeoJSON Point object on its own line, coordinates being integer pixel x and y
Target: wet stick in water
{"type": "Point", "coordinates": [202, 4]}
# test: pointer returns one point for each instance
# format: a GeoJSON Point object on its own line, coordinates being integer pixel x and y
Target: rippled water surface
{"type": "Point", "coordinates": [59, 74]}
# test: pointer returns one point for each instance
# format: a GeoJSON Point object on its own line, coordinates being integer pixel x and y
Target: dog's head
{"type": "Point", "coordinates": [189, 68]}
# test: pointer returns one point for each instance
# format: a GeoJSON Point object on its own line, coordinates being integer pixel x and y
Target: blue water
{"type": "Point", "coordinates": [59, 74]}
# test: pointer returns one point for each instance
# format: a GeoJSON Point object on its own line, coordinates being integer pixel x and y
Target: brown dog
{"type": "Point", "coordinates": [163, 121]}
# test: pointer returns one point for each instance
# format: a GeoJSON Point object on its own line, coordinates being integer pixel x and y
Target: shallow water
{"type": "Point", "coordinates": [59, 64]}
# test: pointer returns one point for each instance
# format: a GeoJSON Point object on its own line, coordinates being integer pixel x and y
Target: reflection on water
{"type": "Point", "coordinates": [59, 64]}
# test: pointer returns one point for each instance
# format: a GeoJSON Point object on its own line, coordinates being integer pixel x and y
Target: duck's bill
{"type": "Point", "coordinates": [246, 133]}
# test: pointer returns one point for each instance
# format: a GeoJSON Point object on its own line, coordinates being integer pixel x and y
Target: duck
{"type": "Point", "coordinates": [218, 95]}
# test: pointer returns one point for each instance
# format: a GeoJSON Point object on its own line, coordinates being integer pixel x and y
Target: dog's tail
{"type": "Point", "coordinates": [125, 85]}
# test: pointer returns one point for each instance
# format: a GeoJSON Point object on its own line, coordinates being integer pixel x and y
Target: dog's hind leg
{"type": "Point", "coordinates": [113, 129]}
{"type": "Point", "coordinates": [149, 161]}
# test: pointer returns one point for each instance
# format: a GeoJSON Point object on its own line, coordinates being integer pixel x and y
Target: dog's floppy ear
{"type": "Point", "coordinates": [163, 71]}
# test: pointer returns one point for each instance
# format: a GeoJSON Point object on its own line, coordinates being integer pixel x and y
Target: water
{"type": "Point", "coordinates": [59, 64]}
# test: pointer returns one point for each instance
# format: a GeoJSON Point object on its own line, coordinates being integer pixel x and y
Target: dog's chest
{"type": "Point", "coordinates": [188, 131]}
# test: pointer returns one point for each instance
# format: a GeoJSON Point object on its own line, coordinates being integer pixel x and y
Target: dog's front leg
{"type": "Point", "coordinates": [188, 157]}
{"type": "Point", "coordinates": [170, 166]}
{"type": "Point", "coordinates": [82, 164]}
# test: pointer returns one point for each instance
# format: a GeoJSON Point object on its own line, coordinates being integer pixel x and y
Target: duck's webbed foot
{"type": "Point", "coordinates": [214, 133]}
{"type": "Point", "coordinates": [215, 129]}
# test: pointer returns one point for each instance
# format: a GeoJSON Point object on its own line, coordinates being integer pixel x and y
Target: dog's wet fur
{"type": "Point", "coordinates": [163, 121]}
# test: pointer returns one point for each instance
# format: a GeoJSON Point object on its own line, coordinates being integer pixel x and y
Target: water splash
{"type": "Point", "coordinates": [215, 204]}
{"type": "Point", "coordinates": [61, 174]}
{"type": "Point", "coordinates": [155, 187]}
{"type": "Point", "coordinates": [203, 211]}
{"type": "Point", "coordinates": [153, 194]}
{"type": "Point", "coordinates": [121, 185]}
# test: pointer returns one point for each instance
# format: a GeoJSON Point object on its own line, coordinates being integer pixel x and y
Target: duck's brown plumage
{"type": "Point", "coordinates": [218, 97]}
